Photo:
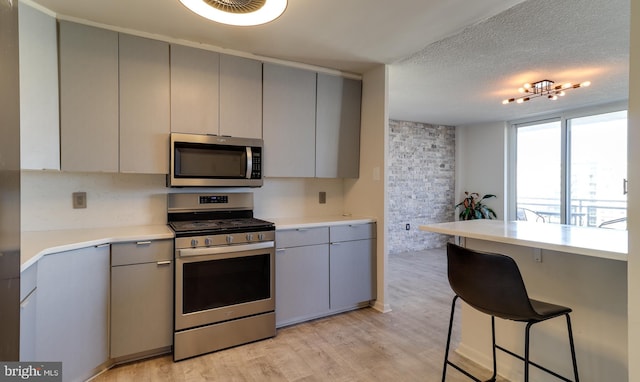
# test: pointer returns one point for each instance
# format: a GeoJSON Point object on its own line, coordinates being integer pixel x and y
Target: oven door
{"type": "Point", "coordinates": [216, 284]}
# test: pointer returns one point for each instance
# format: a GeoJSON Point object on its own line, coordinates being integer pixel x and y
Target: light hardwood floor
{"type": "Point", "coordinates": [406, 344]}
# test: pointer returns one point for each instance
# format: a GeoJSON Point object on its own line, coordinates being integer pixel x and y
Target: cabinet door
{"type": "Point", "coordinates": [144, 105]}
{"type": "Point", "coordinates": [194, 90]}
{"type": "Point", "coordinates": [88, 98]}
{"type": "Point", "coordinates": [352, 273]}
{"type": "Point", "coordinates": [338, 127]}
{"type": "Point", "coordinates": [141, 308]}
{"type": "Point", "coordinates": [39, 116]}
{"type": "Point", "coordinates": [289, 98]}
{"type": "Point", "coordinates": [302, 283]}
{"type": "Point", "coordinates": [72, 310]}
{"type": "Point", "coordinates": [28, 302]}
{"type": "Point", "coordinates": [240, 97]}
{"type": "Point", "coordinates": [28, 327]}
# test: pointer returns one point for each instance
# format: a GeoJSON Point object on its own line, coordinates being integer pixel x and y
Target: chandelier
{"type": "Point", "coordinates": [544, 88]}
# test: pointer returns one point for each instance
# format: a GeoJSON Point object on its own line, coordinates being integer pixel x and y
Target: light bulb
{"type": "Point", "coordinates": [586, 83]}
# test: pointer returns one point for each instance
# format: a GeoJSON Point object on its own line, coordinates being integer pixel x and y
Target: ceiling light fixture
{"type": "Point", "coordinates": [544, 88]}
{"type": "Point", "coordinates": [237, 12]}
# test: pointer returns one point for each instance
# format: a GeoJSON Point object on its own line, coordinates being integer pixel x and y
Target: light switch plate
{"type": "Point", "coordinates": [79, 200]}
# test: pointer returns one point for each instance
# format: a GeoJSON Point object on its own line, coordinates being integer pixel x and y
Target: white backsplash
{"type": "Point", "coordinates": [134, 199]}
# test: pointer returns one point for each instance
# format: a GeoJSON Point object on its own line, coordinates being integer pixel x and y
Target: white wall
{"type": "Point", "coordinates": [481, 163]}
{"type": "Point", "coordinates": [633, 206]}
{"type": "Point", "coordinates": [368, 195]}
{"type": "Point", "coordinates": [134, 199]}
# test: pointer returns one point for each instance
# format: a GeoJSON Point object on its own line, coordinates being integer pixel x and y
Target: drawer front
{"type": "Point", "coordinates": [352, 232]}
{"type": "Point", "coordinates": [141, 252]}
{"type": "Point", "coordinates": [302, 236]}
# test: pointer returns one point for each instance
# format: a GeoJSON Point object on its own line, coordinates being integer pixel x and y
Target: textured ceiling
{"type": "Point", "coordinates": [462, 79]}
{"type": "Point", "coordinates": [451, 61]}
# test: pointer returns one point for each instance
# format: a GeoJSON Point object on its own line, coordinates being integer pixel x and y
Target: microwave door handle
{"type": "Point", "coordinates": [249, 162]}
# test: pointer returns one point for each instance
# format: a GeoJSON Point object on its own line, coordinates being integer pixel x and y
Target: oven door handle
{"type": "Point", "coordinates": [223, 250]}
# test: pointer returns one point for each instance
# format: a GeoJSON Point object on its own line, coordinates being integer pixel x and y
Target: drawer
{"type": "Point", "coordinates": [302, 236]}
{"type": "Point", "coordinates": [141, 252]}
{"type": "Point", "coordinates": [28, 280]}
{"type": "Point", "coordinates": [352, 232]}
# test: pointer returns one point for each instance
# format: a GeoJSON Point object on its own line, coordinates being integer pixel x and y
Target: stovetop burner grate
{"type": "Point", "coordinates": [218, 224]}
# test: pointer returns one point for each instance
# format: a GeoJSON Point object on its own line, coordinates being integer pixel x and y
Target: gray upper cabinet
{"type": "Point", "coordinates": [144, 105]}
{"type": "Point", "coordinates": [289, 110]}
{"type": "Point", "coordinates": [194, 90]}
{"type": "Point", "coordinates": [39, 109]}
{"type": "Point", "coordinates": [240, 97]}
{"type": "Point", "coordinates": [88, 98]}
{"type": "Point", "coordinates": [338, 127]}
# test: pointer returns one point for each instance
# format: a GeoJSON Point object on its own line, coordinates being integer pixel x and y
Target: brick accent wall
{"type": "Point", "coordinates": [421, 183]}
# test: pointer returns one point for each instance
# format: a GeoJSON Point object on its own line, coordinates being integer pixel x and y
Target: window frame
{"type": "Point", "coordinates": [563, 117]}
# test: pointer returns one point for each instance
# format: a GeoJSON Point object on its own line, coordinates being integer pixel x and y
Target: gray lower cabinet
{"type": "Point", "coordinates": [71, 324]}
{"type": "Point", "coordinates": [352, 265]}
{"type": "Point", "coordinates": [28, 302]}
{"type": "Point", "coordinates": [141, 299]}
{"type": "Point", "coordinates": [302, 275]}
{"type": "Point", "coordinates": [324, 270]}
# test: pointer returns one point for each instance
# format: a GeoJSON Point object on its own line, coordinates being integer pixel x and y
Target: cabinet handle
{"type": "Point", "coordinates": [168, 262]}
{"type": "Point", "coordinates": [143, 242]}
{"type": "Point", "coordinates": [27, 299]}
{"type": "Point", "coordinates": [302, 229]}
{"type": "Point", "coordinates": [102, 245]}
{"type": "Point", "coordinates": [280, 250]}
{"type": "Point", "coordinates": [335, 243]}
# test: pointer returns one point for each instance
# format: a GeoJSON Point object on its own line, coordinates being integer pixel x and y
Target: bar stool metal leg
{"type": "Point", "coordinates": [573, 349]}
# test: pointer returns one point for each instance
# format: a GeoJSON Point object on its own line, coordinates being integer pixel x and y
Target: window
{"type": "Point", "coordinates": [573, 170]}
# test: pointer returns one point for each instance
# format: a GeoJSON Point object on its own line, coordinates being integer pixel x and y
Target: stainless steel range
{"type": "Point", "coordinates": [224, 272]}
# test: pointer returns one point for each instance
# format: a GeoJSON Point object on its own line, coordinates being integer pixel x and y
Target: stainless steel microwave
{"type": "Point", "coordinates": [198, 160]}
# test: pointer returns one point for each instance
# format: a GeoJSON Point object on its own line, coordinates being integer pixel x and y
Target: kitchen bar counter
{"type": "Point", "coordinates": [35, 244]}
{"type": "Point", "coordinates": [596, 242]}
{"type": "Point", "coordinates": [323, 221]}
{"type": "Point", "coordinates": [582, 268]}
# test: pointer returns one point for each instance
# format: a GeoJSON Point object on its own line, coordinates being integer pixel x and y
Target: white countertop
{"type": "Point", "coordinates": [321, 221]}
{"type": "Point", "coordinates": [596, 242]}
{"type": "Point", "coordinates": [35, 244]}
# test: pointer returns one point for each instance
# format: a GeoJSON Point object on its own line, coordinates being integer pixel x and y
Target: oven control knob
{"type": "Point", "coordinates": [249, 237]}
{"type": "Point", "coordinates": [229, 239]}
{"type": "Point", "coordinates": [194, 242]}
{"type": "Point", "coordinates": [208, 242]}
{"type": "Point", "coordinates": [261, 236]}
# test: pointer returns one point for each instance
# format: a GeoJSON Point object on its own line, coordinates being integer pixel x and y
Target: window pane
{"type": "Point", "coordinates": [598, 147]}
{"type": "Point", "coordinates": [539, 176]}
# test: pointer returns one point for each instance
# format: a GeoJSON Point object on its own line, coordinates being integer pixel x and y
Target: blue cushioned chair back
{"type": "Point", "coordinates": [489, 282]}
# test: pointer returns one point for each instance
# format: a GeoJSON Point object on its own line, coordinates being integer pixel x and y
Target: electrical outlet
{"type": "Point", "coordinates": [322, 197]}
{"type": "Point", "coordinates": [407, 226]}
{"type": "Point", "coordinates": [537, 255]}
{"type": "Point", "coordinates": [79, 199]}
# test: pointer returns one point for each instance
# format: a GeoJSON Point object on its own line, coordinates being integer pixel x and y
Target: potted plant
{"type": "Point", "coordinates": [473, 208]}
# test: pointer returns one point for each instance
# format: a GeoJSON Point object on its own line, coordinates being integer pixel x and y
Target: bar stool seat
{"type": "Point", "coordinates": [491, 283]}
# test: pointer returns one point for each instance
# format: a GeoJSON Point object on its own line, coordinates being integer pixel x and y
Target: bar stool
{"type": "Point", "coordinates": [491, 283]}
